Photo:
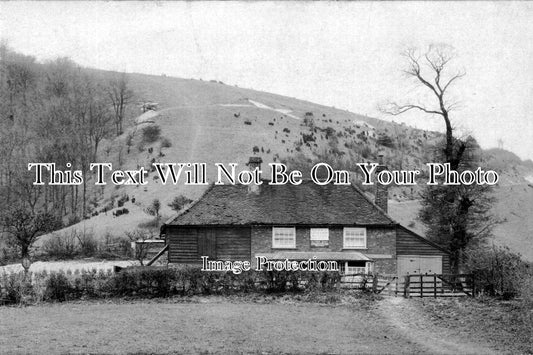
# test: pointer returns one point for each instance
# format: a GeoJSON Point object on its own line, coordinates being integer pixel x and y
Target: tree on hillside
{"type": "Point", "coordinates": [179, 202]}
{"type": "Point", "coordinates": [456, 216]}
{"type": "Point", "coordinates": [99, 118]}
{"type": "Point", "coordinates": [430, 70]}
{"type": "Point", "coordinates": [52, 112]}
{"type": "Point", "coordinates": [120, 96]}
{"type": "Point", "coordinates": [154, 210]}
{"type": "Point", "coordinates": [18, 104]}
{"type": "Point", "coordinates": [25, 227]}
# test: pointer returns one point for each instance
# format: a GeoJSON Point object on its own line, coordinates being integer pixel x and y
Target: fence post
{"type": "Point", "coordinates": [454, 283]}
{"type": "Point", "coordinates": [406, 291]}
{"type": "Point", "coordinates": [421, 286]}
{"type": "Point", "coordinates": [434, 285]}
{"type": "Point", "coordinates": [374, 283]}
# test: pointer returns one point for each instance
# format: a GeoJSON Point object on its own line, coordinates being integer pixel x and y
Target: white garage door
{"type": "Point", "coordinates": [419, 264]}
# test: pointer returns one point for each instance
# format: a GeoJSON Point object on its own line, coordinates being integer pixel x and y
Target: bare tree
{"type": "Point", "coordinates": [99, 119]}
{"type": "Point", "coordinates": [431, 71]}
{"type": "Point", "coordinates": [140, 245]}
{"type": "Point", "coordinates": [25, 227]}
{"type": "Point", "coordinates": [120, 96]}
{"type": "Point", "coordinates": [456, 216]}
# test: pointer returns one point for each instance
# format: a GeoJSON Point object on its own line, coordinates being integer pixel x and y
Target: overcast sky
{"type": "Point", "coordinates": [338, 54]}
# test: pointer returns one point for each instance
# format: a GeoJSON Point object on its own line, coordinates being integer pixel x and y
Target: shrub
{"type": "Point", "coordinates": [154, 209]}
{"type": "Point", "coordinates": [61, 246]}
{"type": "Point", "coordinates": [179, 202]}
{"type": "Point", "coordinates": [366, 152]}
{"type": "Point", "coordinates": [122, 200]}
{"type": "Point", "coordinates": [165, 143]}
{"type": "Point", "coordinates": [17, 288]}
{"type": "Point", "coordinates": [308, 137]}
{"type": "Point", "coordinates": [151, 133]}
{"type": "Point", "coordinates": [120, 212]}
{"type": "Point", "coordinates": [385, 141]}
{"type": "Point", "coordinates": [497, 271]}
{"type": "Point", "coordinates": [88, 245]}
{"type": "Point", "coordinates": [59, 288]}
{"type": "Point", "coordinates": [330, 131]}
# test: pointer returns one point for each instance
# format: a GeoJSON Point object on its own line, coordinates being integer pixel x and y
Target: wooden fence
{"type": "Point", "coordinates": [439, 285]}
{"type": "Point", "coordinates": [419, 285]}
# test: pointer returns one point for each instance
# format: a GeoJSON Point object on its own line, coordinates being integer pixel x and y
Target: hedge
{"type": "Point", "coordinates": [148, 282]}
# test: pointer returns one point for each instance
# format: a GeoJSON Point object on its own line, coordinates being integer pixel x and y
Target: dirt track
{"type": "Point", "coordinates": [409, 321]}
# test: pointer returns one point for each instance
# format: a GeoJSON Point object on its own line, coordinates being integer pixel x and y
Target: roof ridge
{"type": "Point", "coordinates": [229, 204]}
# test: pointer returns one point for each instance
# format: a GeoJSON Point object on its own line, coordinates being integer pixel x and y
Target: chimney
{"type": "Point", "coordinates": [253, 163]}
{"type": "Point", "coordinates": [382, 191]}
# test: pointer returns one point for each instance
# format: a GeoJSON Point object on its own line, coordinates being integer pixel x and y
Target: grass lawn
{"type": "Point", "coordinates": [213, 326]}
{"type": "Point", "coordinates": [238, 325]}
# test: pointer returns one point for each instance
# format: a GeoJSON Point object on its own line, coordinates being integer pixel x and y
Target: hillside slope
{"type": "Point", "coordinates": [211, 122]}
{"type": "Point", "coordinates": [513, 208]}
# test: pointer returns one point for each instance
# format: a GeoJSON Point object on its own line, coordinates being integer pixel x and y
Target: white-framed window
{"type": "Point", "coordinates": [319, 237]}
{"type": "Point", "coordinates": [283, 237]}
{"type": "Point", "coordinates": [354, 238]}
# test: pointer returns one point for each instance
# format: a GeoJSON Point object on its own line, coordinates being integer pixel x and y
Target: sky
{"type": "Point", "coordinates": [341, 54]}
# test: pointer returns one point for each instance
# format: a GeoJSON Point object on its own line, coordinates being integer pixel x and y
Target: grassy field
{"type": "Point", "coordinates": [225, 325]}
{"type": "Point", "coordinates": [505, 325]}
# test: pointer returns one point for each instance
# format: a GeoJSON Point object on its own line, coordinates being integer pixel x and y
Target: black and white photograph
{"type": "Point", "coordinates": [266, 177]}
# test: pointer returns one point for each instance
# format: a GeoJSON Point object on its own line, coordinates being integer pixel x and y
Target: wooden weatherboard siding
{"type": "Point", "coordinates": [233, 243]}
{"type": "Point", "coordinates": [410, 243]}
{"type": "Point", "coordinates": [187, 245]}
{"type": "Point", "coordinates": [183, 245]}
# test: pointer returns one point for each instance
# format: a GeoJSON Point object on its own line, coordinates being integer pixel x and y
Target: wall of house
{"type": "Point", "coordinates": [187, 245]}
{"type": "Point", "coordinates": [183, 245]}
{"type": "Point", "coordinates": [408, 243]}
{"type": "Point", "coordinates": [381, 245]}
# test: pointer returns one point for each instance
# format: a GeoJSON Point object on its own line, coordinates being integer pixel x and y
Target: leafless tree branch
{"type": "Point", "coordinates": [395, 109]}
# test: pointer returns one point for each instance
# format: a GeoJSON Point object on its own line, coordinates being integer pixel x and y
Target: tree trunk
{"type": "Point", "coordinates": [24, 250]}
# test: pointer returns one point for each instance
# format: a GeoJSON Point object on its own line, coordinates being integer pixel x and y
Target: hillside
{"type": "Point", "coordinates": [208, 121]}
{"type": "Point", "coordinates": [212, 122]}
{"type": "Point", "coordinates": [513, 208]}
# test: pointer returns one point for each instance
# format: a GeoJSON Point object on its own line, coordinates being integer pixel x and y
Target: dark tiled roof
{"type": "Point", "coordinates": [305, 204]}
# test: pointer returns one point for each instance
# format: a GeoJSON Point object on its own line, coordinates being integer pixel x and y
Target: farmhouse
{"type": "Point", "coordinates": [331, 222]}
